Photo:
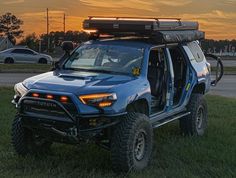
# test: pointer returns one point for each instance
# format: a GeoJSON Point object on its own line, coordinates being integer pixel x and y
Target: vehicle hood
{"type": "Point", "coordinates": [76, 82]}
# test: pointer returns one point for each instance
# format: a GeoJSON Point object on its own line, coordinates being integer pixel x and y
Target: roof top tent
{"type": "Point", "coordinates": [160, 30]}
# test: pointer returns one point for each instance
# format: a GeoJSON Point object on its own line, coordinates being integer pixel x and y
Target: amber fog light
{"type": "Point", "coordinates": [64, 99]}
{"type": "Point", "coordinates": [105, 104]}
{"type": "Point", "coordinates": [35, 95]}
{"type": "Point", "coordinates": [49, 96]}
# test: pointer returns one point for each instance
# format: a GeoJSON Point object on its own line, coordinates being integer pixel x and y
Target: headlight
{"type": "Point", "coordinates": [20, 89]}
{"type": "Point", "coordinates": [99, 100]}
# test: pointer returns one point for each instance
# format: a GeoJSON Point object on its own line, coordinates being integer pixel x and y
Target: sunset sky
{"type": "Point", "coordinates": [216, 17]}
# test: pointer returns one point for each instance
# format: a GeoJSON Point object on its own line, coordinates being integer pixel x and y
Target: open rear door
{"type": "Point", "coordinates": [219, 69]}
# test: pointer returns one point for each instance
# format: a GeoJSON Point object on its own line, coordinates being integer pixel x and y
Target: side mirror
{"type": "Point", "coordinates": [67, 46]}
{"type": "Point", "coordinates": [57, 65]}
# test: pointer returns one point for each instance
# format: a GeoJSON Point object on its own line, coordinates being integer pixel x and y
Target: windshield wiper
{"type": "Point", "coordinates": [97, 70]}
{"type": "Point", "coordinates": [76, 69]}
{"type": "Point", "coordinates": [107, 71]}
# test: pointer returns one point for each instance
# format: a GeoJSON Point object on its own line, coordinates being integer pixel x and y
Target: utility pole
{"type": "Point", "coordinates": [40, 45]}
{"type": "Point", "coordinates": [48, 43]}
{"type": "Point", "coordinates": [64, 23]}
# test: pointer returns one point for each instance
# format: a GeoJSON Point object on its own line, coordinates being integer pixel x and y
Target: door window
{"type": "Point", "coordinates": [22, 51]}
{"type": "Point", "coordinates": [196, 51]}
{"type": "Point", "coordinates": [157, 78]}
{"type": "Point", "coordinates": [26, 51]}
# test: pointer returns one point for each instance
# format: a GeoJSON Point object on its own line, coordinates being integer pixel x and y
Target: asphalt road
{"type": "Point", "coordinates": [10, 79]}
{"type": "Point", "coordinates": [226, 87]}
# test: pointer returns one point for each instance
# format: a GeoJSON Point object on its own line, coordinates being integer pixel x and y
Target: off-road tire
{"type": "Point", "coordinates": [43, 61]}
{"type": "Point", "coordinates": [23, 141]}
{"type": "Point", "coordinates": [124, 139]}
{"type": "Point", "coordinates": [9, 60]}
{"type": "Point", "coordinates": [193, 124]}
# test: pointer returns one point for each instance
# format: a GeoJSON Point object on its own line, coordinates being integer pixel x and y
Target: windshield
{"type": "Point", "coordinates": [106, 58]}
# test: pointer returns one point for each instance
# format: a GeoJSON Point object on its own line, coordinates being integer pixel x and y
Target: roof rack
{"type": "Point", "coordinates": [127, 24]}
{"type": "Point", "coordinates": [165, 28]}
{"type": "Point", "coordinates": [144, 18]}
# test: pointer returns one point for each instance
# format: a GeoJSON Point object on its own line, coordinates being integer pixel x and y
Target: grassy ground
{"type": "Point", "coordinates": [230, 70]}
{"type": "Point", "coordinates": [213, 155]}
{"type": "Point", "coordinates": [228, 57]}
{"type": "Point", "coordinates": [24, 68]}
{"type": "Point", "coordinates": [227, 70]}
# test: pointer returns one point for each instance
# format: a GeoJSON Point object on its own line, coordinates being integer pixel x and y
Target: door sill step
{"type": "Point", "coordinates": [169, 119]}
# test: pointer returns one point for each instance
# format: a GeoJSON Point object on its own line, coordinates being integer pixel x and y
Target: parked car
{"type": "Point", "coordinates": [24, 55]}
{"type": "Point", "coordinates": [115, 91]}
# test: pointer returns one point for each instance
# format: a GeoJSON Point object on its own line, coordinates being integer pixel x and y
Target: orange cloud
{"type": "Point", "coordinates": [135, 4]}
{"type": "Point", "coordinates": [13, 2]}
{"type": "Point", "coordinates": [175, 3]}
{"type": "Point", "coordinates": [216, 17]}
{"type": "Point", "coordinates": [215, 23]}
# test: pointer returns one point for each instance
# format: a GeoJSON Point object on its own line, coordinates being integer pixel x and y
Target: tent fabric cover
{"type": "Point", "coordinates": [177, 36]}
{"type": "Point", "coordinates": [167, 31]}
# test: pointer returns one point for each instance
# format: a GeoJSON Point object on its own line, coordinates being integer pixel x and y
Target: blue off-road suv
{"type": "Point", "coordinates": [134, 75]}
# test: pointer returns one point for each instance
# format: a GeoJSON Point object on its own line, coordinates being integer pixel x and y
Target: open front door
{"type": "Point", "coordinates": [219, 69]}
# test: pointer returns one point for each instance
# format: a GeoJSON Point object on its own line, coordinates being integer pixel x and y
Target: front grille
{"type": "Point", "coordinates": [43, 107]}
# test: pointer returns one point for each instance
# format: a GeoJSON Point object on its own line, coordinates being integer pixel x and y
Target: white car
{"type": "Point", "coordinates": [24, 55]}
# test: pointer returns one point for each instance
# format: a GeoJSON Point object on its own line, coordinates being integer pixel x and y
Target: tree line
{"type": "Point", "coordinates": [219, 46]}
{"type": "Point", "coordinates": [49, 42]}
{"type": "Point", "coordinates": [11, 27]}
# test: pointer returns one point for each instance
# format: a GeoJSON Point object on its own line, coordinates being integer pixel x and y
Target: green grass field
{"type": "Point", "coordinates": [213, 155]}
{"type": "Point", "coordinates": [227, 70]}
{"type": "Point", "coordinates": [24, 68]}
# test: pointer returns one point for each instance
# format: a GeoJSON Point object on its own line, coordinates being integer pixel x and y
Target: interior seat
{"type": "Point", "coordinates": [155, 73]}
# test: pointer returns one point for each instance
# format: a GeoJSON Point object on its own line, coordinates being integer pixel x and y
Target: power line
{"type": "Point", "coordinates": [47, 22]}
{"type": "Point", "coordinates": [64, 23]}
{"type": "Point", "coordinates": [48, 45]}
{"type": "Point", "coordinates": [53, 19]}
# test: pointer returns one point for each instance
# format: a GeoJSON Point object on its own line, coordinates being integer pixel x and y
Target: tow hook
{"type": "Point", "coordinates": [15, 100]}
{"type": "Point", "coordinates": [72, 134]}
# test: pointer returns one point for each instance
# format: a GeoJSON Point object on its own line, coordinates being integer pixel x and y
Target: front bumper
{"type": "Point", "coordinates": [52, 119]}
